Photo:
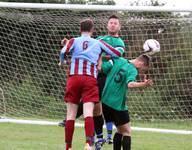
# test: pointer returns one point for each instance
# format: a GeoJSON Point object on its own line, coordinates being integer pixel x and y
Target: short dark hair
{"type": "Point", "coordinates": [113, 17]}
{"type": "Point", "coordinates": [86, 25]}
{"type": "Point", "coordinates": [145, 59]}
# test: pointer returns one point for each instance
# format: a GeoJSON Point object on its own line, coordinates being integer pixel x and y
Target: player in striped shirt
{"type": "Point", "coordinates": [115, 41]}
{"type": "Point", "coordinates": [82, 83]}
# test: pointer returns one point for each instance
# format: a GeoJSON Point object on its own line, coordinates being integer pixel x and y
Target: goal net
{"type": "Point", "coordinates": [32, 84]}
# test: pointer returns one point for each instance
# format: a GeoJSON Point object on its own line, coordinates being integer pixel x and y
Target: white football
{"type": "Point", "coordinates": [151, 46]}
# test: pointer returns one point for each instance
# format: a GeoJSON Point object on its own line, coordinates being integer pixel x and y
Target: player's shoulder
{"type": "Point", "coordinates": [85, 38]}
{"type": "Point", "coordinates": [120, 60]}
{"type": "Point", "coordinates": [123, 59]}
{"type": "Point", "coordinates": [74, 38]}
{"type": "Point", "coordinates": [131, 68]}
{"type": "Point", "coordinates": [120, 40]}
{"type": "Point", "coordinates": [95, 40]}
{"type": "Point", "coordinates": [101, 37]}
{"type": "Point", "coordinates": [125, 62]}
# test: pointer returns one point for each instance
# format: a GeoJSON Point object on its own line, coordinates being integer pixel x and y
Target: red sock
{"type": "Point", "coordinates": [89, 130]}
{"type": "Point", "coordinates": [68, 146]}
{"type": "Point", "coordinates": [69, 129]}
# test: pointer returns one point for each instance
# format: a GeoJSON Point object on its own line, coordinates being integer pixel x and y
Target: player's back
{"type": "Point", "coordinates": [118, 77]}
{"type": "Point", "coordinates": [85, 54]}
{"type": "Point", "coordinates": [86, 48]}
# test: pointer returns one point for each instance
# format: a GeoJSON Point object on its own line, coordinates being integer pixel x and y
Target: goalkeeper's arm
{"type": "Point", "coordinates": [62, 55]}
{"type": "Point", "coordinates": [64, 41]}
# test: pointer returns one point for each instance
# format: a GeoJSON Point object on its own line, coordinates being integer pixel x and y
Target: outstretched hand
{"type": "Point", "coordinates": [148, 82]}
{"type": "Point", "coordinates": [64, 41]}
{"type": "Point", "coordinates": [62, 63]}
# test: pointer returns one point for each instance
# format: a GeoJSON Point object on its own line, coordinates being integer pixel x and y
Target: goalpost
{"type": "Point", "coordinates": [33, 84]}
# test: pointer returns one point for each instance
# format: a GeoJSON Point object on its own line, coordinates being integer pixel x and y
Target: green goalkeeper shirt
{"type": "Point", "coordinates": [115, 42]}
{"type": "Point", "coordinates": [118, 76]}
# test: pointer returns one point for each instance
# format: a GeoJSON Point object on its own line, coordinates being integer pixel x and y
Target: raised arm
{"type": "Point", "coordinates": [66, 49]}
{"type": "Point", "coordinates": [109, 49]}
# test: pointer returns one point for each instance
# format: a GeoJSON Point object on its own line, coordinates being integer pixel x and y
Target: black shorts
{"type": "Point", "coordinates": [101, 83]}
{"type": "Point", "coordinates": [117, 117]}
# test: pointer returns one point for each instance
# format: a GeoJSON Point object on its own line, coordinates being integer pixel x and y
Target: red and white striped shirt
{"type": "Point", "coordinates": [86, 52]}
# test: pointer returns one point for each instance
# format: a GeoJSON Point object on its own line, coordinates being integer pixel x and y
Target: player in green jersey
{"type": "Point", "coordinates": [113, 39]}
{"type": "Point", "coordinates": [121, 75]}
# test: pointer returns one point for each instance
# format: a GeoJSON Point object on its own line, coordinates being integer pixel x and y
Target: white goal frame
{"type": "Point", "coordinates": [95, 7]}
{"type": "Point", "coordinates": [99, 8]}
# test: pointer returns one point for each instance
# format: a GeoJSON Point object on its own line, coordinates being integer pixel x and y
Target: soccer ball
{"type": "Point", "coordinates": [151, 46]}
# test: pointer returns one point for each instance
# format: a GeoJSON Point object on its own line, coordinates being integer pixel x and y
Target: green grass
{"type": "Point", "coordinates": [165, 124]}
{"type": "Point", "coordinates": [37, 137]}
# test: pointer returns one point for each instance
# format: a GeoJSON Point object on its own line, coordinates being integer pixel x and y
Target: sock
{"type": "Point", "coordinates": [109, 126]}
{"type": "Point", "coordinates": [98, 123]}
{"type": "Point", "coordinates": [117, 141]}
{"type": "Point", "coordinates": [89, 130]}
{"type": "Point", "coordinates": [126, 142]}
{"type": "Point", "coordinates": [69, 129]}
{"type": "Point", "coordinates": [68, 146]}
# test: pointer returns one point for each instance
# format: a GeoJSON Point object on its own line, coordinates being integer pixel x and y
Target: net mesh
{"type": "Point", "coordinates": [33, 85]}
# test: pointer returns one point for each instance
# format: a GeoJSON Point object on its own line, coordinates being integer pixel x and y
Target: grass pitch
{"type": "Point", "coordinates": [38, 137]}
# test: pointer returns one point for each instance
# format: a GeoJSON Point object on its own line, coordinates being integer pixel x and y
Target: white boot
{"type": "Point", "coordinates": [88, 147]}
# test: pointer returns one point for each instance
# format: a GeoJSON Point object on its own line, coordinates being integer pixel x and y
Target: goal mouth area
{"type": "Point", "coordinates": [32, 83]}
